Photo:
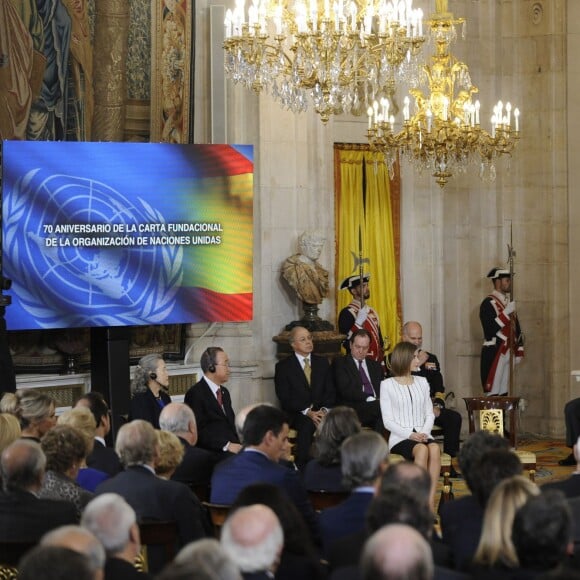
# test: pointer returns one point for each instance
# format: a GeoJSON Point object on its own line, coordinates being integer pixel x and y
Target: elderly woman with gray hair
{"type": "Point", "coordinates": [148, 389]}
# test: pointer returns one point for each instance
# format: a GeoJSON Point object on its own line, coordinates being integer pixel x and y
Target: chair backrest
{"type": "Point", "coordinates": [159, 534]}
{"type": "Point", "coordinates": [322, 499]}
{"type": "Point", "coordinates": [507, 405]}
{"type": "Point", "coordinates": [218, 514]}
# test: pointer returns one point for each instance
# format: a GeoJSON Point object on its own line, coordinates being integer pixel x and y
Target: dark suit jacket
{"type": "Point", "coordinates": [117, 569]}
{"type": "Point", "coordinates": [570, 487]}
{"type": "Point", "coordinates": [215, 426]}
{"type": "Point", "coordinates": [25, 517]}
{"type": "Point", "coordinates": [248, 467]}
{"type": "Point", "coordinates": [317, 477]}
{"type": "Point", "coordinates": [196, 466]}
{"type": "Point", "coordinates": [293, 390]}
{"type": "Point", "coordinates": [153, 498]}
{"type": "Point", "coordinates": [461, 522]}
{"type": "Point", "coordinates": [346, 518]}
{"type": "Point", "coordinates": [145, 406]}
{"type": "Point", "coordinates": [104, 459]}
{"type": "Point", "coordinates": [349, 389]}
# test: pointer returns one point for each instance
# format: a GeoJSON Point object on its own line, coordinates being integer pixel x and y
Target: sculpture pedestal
{"type": "Point", "coordinates": [326, 343]}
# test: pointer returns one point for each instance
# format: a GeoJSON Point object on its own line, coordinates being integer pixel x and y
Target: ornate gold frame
{"type": "Point", "coordinates": [172, 62]}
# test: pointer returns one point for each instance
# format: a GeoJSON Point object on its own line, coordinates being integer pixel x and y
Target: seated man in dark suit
{"type": "Point", "coordinates": [24, 516]}
{"type": "Point", "coordinates": [151, 497]}
{"type": "Point", "coordinates": [212, 405]}
{"type": "Point", "coordinates": [304, 387]}
{"type": "Point", "coordinates": [113, 521]}
{"type": "Point", "coordinates": [101, 457]}
{"type": "Point", "coordinates": [197, 464]}
{"type": "Point", "coordinates": [364, 457]}
{"type": "Point", "coordinates": [265, 436]}
{"type": "Point", "coordinates": [357, 379]}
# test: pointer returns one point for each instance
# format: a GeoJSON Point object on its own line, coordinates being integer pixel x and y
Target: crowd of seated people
{"type": "Point", "coordinates": [384, 527]}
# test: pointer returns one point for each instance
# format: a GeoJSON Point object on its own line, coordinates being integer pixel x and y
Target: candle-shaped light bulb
{"type": "Point", "coordinates": [493, 123]}
{"type": "Point", "coordinates": [477, 107]}
{"type": "Point", "coordinates": [392, 122]}
{"type": "Point", "coordinates": [406, 102]}
{"type": "Point", "coordinates": [429, 116]}
{"type": "Point", "coordinates": [370, 114]}
{"type": "Point", "coordinates": [517, 118]}
{"type": "Point", "coordinates": [508, 108]}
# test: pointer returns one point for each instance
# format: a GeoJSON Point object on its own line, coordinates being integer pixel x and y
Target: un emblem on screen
{"type": "Point", "coordinates": [81, 239]}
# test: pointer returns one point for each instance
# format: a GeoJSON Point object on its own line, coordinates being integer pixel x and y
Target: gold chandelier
{"type": "Point", "coordinates": [443, 134]}
{"type": "Point", "coordinates": [338, 54]}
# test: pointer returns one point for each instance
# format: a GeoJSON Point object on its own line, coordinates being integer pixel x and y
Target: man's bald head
{"type": "Point", "coordinates": [413, 333]}
{"type": "Point", "coordinates": [22, 466]}
{"type": "Point", "coordinates": [397, 551]}
{"type": "Point", "coordinates": [253, 537]}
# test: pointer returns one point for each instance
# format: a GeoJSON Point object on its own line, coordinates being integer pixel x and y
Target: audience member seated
{"type": "Point", "coordinates": [496, 554]}
{"type": "Point", "coordinates": [83, 421]}
{"type": "Point", "coordinates": [113, 521]}
{"type": "Point", "coordinates": [65, 449]}
{"type": "Point", "coordinates": [571, 485]}
{"type": "Point", "coordinates": [387, 507]}
{"type": "Point", "coordinates": [26, 517]}
{"type": "Point", "coordinates": [572, 420]}
{"type": "Point", "coordinates": [265, 436]}
{"type": "Point", "coordinates": [211, 404]}
{"type": "Point", "coordinates": [324, 472]}
{"type": "Point", "coordinates": [202, 560]}
{"type": "Point", "coordinates": [304, 388]}
{"type": "Point", "coordinates": [408, 413]}
{"type": "Point", "coordinates": [299, 556]}
{"type": "Point", "coordinates": [101, 457]}
{"type": "Point", "coordinates": [81, 541]}
{"type": "Point", "coordinates": [149, 389]}
{"type": "Point", "coordinates": [364, 457]}
{"type": "Point", "coordinates": [153, 498]}
{"type": "Point", "coordinates": [55, 563]}
{"type": "Point", "coordinates": [397, 551]}
{"type": "Point", "coordinates": [197, 464]}
{"type": "Point", "coordinates": [253, 538]}
{"type": "Point", "coordinates": [357, 379]}
{"type": "Point", "coordinates": [36, 411]}
{"type": "Point", "coordinates": [9, 430]}
{"type": "Point", "coordinates": [542, 533]}
{"type": "Point", "coordinates": [494, 466]}
{"type": "Point", "coordinates": [170, 454]}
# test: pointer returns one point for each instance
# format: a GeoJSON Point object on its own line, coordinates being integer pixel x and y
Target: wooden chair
{"type": "Point", "coordinates": [322, 499]}
{"type": "Point", "coordinates": [218, 514]}
{"type": "Point", "coordinates": [492, 411]}
{"type": "Point", "coordinates": [159, 534]}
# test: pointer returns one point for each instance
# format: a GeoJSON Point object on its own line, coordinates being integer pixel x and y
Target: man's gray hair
{"type": "Point", "coordinates": [136, 443]}
{"type": "Point", "coordinates": [362, 458]}
{"type": "Point", "coordinates": [110, 518]}
{"type": "Point", "coordinates": [252, 536]}
{"type": "Point", "coordinates": [69, 536]}
{"type": "Point", "coordinates": [397, 552]}
{"type": "Point", "coordinates": [22, 465]}
{"type": "Point", "coordinates": [208, 556]}
{"type": "Point", "coordinates": [176, 418]}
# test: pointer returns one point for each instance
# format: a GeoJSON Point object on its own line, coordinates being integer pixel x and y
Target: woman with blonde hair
{"type": "Point", "coordinates": [496, 550]}
{"type": "Point", "coordinates": [35, 410]}
{"type": "Point", "coordinates": [170, 454]}
{"type": "Point", "coordinates": [407, 412]}
{"type": "Point", "coordinates": [9, 430]}
{"type": "Point", "coordinates": [82, 419]}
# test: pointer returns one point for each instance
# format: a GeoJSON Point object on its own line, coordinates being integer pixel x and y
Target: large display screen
{"type": "Point", "coordinates": [114, 234]}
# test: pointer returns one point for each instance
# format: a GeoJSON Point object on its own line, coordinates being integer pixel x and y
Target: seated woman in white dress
{"type": "Point", "coordinates": [407, 412]}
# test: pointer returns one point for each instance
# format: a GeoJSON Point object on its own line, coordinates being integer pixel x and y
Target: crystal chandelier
{"type": "Point", "coordinates": [340, 55]}
{"type": "Point", "coordinates": [443, 133]}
